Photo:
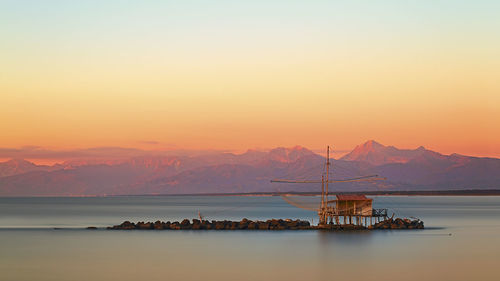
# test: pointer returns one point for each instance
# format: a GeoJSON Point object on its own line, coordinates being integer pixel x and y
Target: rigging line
{"type": "Point", "coordinates": [364, 178]}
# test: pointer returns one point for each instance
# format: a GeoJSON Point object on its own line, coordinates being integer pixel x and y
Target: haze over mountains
{"type": "Point", "coordinates": [218, 172]}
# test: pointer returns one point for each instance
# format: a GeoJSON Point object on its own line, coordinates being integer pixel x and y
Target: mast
{"type": "Point", "coordinates": [325, 212]}
{"type": "Point", "coordinates": [327, 170]}
{"type": "Point", "coordinates": [322, 191]}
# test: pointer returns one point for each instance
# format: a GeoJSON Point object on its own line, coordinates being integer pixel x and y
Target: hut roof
{"type": "Point", "coordinates": [352, 197]}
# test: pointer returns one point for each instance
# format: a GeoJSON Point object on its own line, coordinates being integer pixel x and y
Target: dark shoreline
{"type": "Point", "coordinates": [495, 192]}
{"type": "Point", "coordinates": [465, 192]}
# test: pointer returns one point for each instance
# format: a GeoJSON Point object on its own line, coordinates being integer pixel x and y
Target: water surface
{"type": "Point", "coordinates": [461, 242]}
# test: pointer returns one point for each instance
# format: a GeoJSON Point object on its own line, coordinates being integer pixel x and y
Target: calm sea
{"type": "Point", "coordinates": [461, 241]}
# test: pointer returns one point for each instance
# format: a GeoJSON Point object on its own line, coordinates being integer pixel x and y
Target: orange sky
{"type": "Point", "coordinates": [228, 82]}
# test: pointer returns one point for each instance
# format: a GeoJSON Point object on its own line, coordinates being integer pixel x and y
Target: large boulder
{"type": "Point", "coordinates": [125, 225]}
{"type": "Point", "coordinates": [252, 225]}
{"type": "Point", "coordinates": [158, 225]}
{"type": "Point", "coordinates": [185, 224]}
{"type": "Point", "coordinates": [206, 225]}
{"type": "Point", "coordinates": [144, 225]}
{"type": "Point", "coordinates": [304, 223]}
{"type": "Point", "coordinates": [263, 225]}
{"type": "Point", "coordinates": [219, 225]}
{"type": "Point", "coordinates": [234, 225]}
{"type": "Point", "coordinates": [243, 224]}
{"type": "Point", "coordinates": [175, 225]}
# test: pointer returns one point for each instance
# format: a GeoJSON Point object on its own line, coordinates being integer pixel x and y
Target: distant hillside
{"type": "Point", "coordinates": [425, 169]}
{"type": "Point", "coordinates": [405, 169]}
{"type": "Point", "coordinates": [376, 154]}
{"type": "Point", "coordinates": [21, 166]}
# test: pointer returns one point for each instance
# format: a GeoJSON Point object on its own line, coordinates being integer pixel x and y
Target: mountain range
{"type": "Point", "coordinates": [219, 172]}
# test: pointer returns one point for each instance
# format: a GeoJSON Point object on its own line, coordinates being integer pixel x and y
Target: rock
{"type": "Point", "coordinates": [263, 225]}
{"type": "Point", "coordinates": [143, 225]}
{"type": "Point", "coordinates": [125, 225]}
{"type": "Point", "coordinates": [175, 225]}
{"type": "Point", "coordinates": [304, 223]}
{"type": "Point", "coordinates": [158, 225]}
{"type": "Point", "coordinates": [220, 225]}
{"type": "Point", "coordinates": [206, 224]}
{"type": "Point", "coordinates": [336, 227]}
{"type": "Point", "coordinates": [197, 225]}
{"type": "Point", "coordinates": [271, 224]}
{"type": "Point", "coordinates": [185, 224]}
{"type": "Point", "coordinates": [348, 227]}
{"type": "Point", "coordinates": [419, 224]}
{"type": "Point", "coordinates": [234, 225]}
{"type": "Point", "coordinates": [92, 227]}
{"type": "Point", "coordinates": [398, 223]}
{"type": "Point", "coordinates": [243, 224]}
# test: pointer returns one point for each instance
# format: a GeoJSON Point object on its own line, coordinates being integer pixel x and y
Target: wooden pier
{"type": "Point", "coordinates": [351, 209]}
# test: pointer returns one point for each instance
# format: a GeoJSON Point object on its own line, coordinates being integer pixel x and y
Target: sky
{"type": "Point", "coordinates": [233, 75]}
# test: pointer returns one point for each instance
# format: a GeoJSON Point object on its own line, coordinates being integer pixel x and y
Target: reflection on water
{"type": "Point", "coordinates": [41, 253]}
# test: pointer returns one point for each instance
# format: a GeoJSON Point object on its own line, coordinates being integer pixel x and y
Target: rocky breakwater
{"type": "Point", "coordinates": [398, 224]}
{"type": "Point", "coordinates": [274, 224]}
{"type": "Point", "coordinates": [195, 224]}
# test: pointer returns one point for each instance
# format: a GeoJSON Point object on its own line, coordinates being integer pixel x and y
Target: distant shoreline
{"type": "Point", "coordinates": [469, 192]}
{"type": "Point", "coordinates": [489, 192]}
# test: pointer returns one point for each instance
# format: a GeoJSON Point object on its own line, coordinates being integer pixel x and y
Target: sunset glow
{"type": "Point", "coordinates": [231, 76]}
{"type": "Point", "coordinates": [249, 140]}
